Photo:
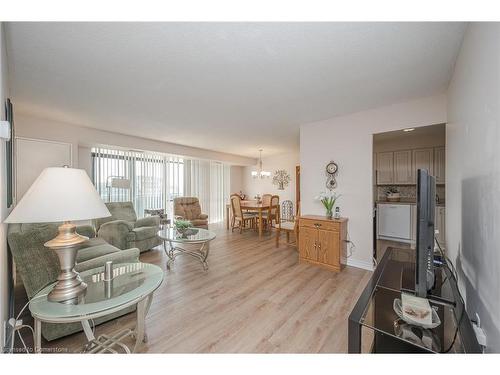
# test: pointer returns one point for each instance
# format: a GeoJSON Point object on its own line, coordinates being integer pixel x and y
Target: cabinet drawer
{"type": "Point", "coordinates": [326, 225]}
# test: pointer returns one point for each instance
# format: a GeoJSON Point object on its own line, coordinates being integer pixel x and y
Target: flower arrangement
{"type": "Point", "coordinates": [328, 200]}
{"type": "Point", "coordinates": [182, 225]}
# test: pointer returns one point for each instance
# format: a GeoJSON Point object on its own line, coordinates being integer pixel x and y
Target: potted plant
{"type": "Point", "coordinates": [393, 194]}
{"type": "Point", "coordinates": [183, 226]}
{"type": "Point", "coordinates": [328, 200]}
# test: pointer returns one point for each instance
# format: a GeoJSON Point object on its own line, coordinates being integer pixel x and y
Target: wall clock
{"type": "Point", "coordinates": [331, 168]}
{"type": "Point", "coordinates": [331, 173]}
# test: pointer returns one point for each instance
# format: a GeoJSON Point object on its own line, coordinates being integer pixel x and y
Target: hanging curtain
{"type": "Point", "coordinates": [219, 190]}
{"type": "Point", "coordinates": [156, 179]}
{"type": "Point", "coordinates": [109, 164]}
{"type": "Point", "coordinates": [173, 182]}
{"type": "Point", "coordinates": [199, 184]}
{"type": "Point", "coordinates": [148, 181]}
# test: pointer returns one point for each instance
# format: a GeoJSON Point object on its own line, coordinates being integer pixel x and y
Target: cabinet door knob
{"type": "Point", "coordinates": [317, 225]}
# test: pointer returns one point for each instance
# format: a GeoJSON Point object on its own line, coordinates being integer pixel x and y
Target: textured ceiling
{"type": "Point", "coordinates": [232, 87]}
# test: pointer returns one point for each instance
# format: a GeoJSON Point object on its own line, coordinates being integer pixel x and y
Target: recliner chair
{"type": "Point", "coordinates": [188, 208]}
{"type": "Point", "coordinates": [123, 230]}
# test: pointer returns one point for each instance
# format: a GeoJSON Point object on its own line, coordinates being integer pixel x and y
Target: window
{"type": "Point", "coordinates": [152, 180]}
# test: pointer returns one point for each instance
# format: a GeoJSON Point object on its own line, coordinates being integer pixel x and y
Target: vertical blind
{"type": "Point", "coordinates": [156, 179]}
{"type": "Point", "coordinates": [209, 181]}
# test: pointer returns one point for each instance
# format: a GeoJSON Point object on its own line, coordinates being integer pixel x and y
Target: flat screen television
{"type": "Point", "coordinates": [426, 204]}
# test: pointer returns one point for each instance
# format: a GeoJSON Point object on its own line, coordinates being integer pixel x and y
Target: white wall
{"type": "Point", "coordinates": [85, 159]}
{"type": "Point", "coordinates": [4, 293]}
{"type": "Point", "coordinates": [287, 161]}
{"type": "Point", "coordinates": [473, 175]}
{"type": "Point", "coordinates": [236, 184]}
{"type": "Point", "coordinates": [34, 127]}
{"type": "Point", "coordinates": [348, 140]}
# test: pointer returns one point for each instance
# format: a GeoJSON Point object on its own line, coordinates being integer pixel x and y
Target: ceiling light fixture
{"type": "Point", "coordinates": [260, 173]}
{"type": "Point", "coordinates": [409, 130]}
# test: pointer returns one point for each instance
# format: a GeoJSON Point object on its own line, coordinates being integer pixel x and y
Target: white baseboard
{"type": "Point", "coordinates": [360, 264]}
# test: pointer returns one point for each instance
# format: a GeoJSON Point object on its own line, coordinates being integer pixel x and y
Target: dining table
{"type": "Point", "coordinates": [253, 206]}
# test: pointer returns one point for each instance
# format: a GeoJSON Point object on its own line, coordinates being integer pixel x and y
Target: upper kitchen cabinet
{"type": "Point", "coordinates": [403, 167]}
{"type": "Point", "coordinates": [422, 159]}
{"type": "Point", "coordinates": [440, 164]}
{"type": "Point", "coordinates": [385, 168]}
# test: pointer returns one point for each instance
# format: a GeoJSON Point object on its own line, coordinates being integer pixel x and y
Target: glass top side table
{"type": "Point", "coordinates": [196, 239]}
{"type": "Point", "coordinates": [132, 284]}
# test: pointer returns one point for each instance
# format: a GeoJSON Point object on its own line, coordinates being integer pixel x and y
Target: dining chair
{"type": "Point", "coordinates": [273, 213]}
{"type": "Point", "coordinates": [266, 199]}
{"type": "Point", "coordinates": [289, 227]}
{"type": "Point", "coordinates": [287, 213]}
{"type": "Point", "coordinates": [239, 217]}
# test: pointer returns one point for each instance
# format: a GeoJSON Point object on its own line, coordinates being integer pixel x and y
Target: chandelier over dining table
{"type": "Point", "coordinates": [260, 173]}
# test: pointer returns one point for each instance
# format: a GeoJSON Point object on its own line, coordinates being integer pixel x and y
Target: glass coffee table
{"type": "Point", "coordinates": [197, 239]}
{"type": "Point", "coordinates": [132, 284]}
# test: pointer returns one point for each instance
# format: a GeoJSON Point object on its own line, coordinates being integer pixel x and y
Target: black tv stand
{"type": "Point", "coordinates": [437, 294]}
{"type": "Point", "coordinates": [375, 327]}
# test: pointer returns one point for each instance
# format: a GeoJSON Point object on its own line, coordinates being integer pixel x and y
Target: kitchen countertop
{"type": "Point", "coordinates": [407, 201]}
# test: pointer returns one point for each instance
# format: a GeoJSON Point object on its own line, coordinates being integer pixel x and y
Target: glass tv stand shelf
{"type": "Point", "coordinates": [375, 327]}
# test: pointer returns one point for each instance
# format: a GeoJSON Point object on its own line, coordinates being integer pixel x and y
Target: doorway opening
{"type": "Point", "coordinates": [397, 155]}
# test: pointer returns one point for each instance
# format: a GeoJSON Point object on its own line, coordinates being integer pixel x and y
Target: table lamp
{"type": "Point", "coordinates": [61, 195]}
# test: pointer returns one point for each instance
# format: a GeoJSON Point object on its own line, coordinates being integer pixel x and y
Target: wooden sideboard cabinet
{"type": "Point", "coordinates": [322, 241]}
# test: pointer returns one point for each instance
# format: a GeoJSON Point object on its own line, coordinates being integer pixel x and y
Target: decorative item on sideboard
{"type": "Point", "coordinates": [337, 213]}
{"type": "Point", "coordinates": [328, 200]}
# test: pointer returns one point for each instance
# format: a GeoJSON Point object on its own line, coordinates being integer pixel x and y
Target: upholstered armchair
{"type": "Point", "coordinates": [123, 230]}
{"type": "Point", "coordinates": [188, 208]}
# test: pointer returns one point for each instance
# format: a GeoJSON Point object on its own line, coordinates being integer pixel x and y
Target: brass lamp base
{"type": "Point", "coordinates": [69, 286]}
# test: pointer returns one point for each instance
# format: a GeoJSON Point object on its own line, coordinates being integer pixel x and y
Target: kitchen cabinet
{"type": "Point", "coordinates": [440, 165]}
{"type": "Point", "coordinates": [422, 159]}
{"type": "Point", "coordinates": [322, 241]}
{"type": "Point", "coordinates": [403, 167]}
{"type": "Point", "coordinates": [394, 222]}
{"type": "Point", "coordinates": [400, 167]}
{"type": "Point", "coordinates": [385, 171]}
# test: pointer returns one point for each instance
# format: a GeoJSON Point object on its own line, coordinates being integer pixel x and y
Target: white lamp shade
{"type": "Point", "coordinates": [59, 194]}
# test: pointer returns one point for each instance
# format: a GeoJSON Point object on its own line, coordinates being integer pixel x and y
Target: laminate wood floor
{"type": "Point", "coordinates": [255, 298]}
